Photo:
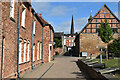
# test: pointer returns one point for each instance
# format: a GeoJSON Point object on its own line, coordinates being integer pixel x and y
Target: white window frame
{"type": "Point", "coordinates": [20, 51]}
{"type": "Point", "coordinates": [28, 50]}
{"type": "Point", "coordinates": [33, 52]}
{"type": "Point", "coordinates": [24, 54]}
{"type": "Point", "coordinates": [23, 16]}
{"type": "Point", "coordinates": [69, 44]}
{"type": "Point", "coordinates": [34, 27]}
{"type": "Point", "coordinates": [38, 50]}
{"type": "Point", "coordinates": [12, 8]}
{"type": "Point", "coordinates": [69, 40]}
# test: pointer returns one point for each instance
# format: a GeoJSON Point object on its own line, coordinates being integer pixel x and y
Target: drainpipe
{"type": "Point", "coordinates": [2, 57]}
{"type": "Point", "coordinates": [50, 34]}
{"type": "Point", "coordinates": [18, 40]}
{"type": "Point", "coordinates": [32, 42]}
{"type": "Point", "coordinates": [53, 46]}
{"type": "Point", "coordinates": [42, 43]}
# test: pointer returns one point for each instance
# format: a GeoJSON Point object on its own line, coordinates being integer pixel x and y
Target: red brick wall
{"type": "Point", "coordinates": [26, 34]}
{"type": "Point", "coordinates": [46, 43]}
{"type": "Point", "coordinates": [10, 41]}
{"type": "Point", "coordinates": [37, 38]}
{"type": "Point", "coordinates": [9, 31]}
{"type": "Point", "coordinates": [1, 26]}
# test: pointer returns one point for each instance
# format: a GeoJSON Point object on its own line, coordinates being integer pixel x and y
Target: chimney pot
{"type": "Point", "coordinates": [40, 14]}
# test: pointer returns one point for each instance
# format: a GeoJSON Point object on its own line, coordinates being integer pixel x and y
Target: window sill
{"type": "Point", "coordinates": [11, 18]}
{"type": "Point", "coordinates": [23, 27]}
{"type": "Point", "coordinates": [39, 59]}
{"type": "Point", "coordinates": [33, 60]}
{"type": "Point", "coordinates": [24, 62]}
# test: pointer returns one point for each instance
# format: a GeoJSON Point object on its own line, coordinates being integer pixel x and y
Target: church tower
{"type": "Point", "coordinates": [72, 27]}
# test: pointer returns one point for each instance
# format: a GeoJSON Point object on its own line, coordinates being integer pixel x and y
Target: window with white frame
{"type": "Point", "coordinates": [69, 40]}
{"type": "Point", "coordinates": [28, 45]}
{"type": "Point", "coordinates": [12, 8]}
{"type": "Point", "coordinates": [34, 27]}
{"type": "Point", "coordinates": [38, 50]}
{"type": "Point", "coordinates": [69, 44]}
{"type": "Point", "coordinates": [34, 53]}
{"type": "Point", "coordinates": [23, 15]}
{"type": "Point", "coordinates": [24, 54]}
{"type": "Point", "coordinates": [20, 50]}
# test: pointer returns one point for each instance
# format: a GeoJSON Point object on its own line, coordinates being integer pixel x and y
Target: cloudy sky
{"type": "Point", "coordinates": [59, 14]}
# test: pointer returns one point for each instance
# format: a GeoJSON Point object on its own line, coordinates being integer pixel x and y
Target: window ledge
{"type": "Point", "coordinates": [23, 27]}
{"type": "Point", "coordinates": [24, 62]}
{"type": "Point", "coordinates": [11, 18]}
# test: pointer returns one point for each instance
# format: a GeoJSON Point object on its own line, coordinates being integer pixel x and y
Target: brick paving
{"type": "Point", "coordinates": [61, 67]}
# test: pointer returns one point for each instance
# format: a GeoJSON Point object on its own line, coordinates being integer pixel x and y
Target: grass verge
{"type": "Point", "coordinates": [111, 63]}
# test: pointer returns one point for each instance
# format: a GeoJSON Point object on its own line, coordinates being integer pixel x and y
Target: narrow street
{"type": "Point", "coordinates": [61, 67]}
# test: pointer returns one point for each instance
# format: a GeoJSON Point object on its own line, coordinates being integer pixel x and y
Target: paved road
{"type": "Point", "coordinates": [61, 67]}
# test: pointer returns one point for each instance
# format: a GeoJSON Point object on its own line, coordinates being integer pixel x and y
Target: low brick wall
{"type": "Point", "coordinates": [58, 51]}
{"type": "Point", "coordinates": [89, 72]}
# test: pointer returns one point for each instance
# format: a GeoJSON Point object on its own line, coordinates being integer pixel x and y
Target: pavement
{"type": "Point", "coordinates": [61, 67]}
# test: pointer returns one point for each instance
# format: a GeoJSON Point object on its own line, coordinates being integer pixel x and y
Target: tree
{"type": "Point", "coordinates": [58, 42]}
{"type": "Point", "coordinates": [105, 32]}
{"type": "Point", "coordinates": [114, 47]}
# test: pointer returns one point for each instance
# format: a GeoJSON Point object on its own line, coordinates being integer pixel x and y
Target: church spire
{"type": "Point", "coordinates": [72, 26]}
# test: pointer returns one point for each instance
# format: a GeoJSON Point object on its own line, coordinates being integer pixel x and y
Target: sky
{"type": "Point", "coordinates": [59, 14]}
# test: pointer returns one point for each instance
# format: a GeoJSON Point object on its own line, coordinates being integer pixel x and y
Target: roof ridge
{"type": "Point", "coordinates": [97, 13]}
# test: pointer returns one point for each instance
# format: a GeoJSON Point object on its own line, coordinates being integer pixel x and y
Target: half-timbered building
{"type": "Point", "coordinates": [88, 40]}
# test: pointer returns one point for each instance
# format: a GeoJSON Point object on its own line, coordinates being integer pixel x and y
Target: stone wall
{"type": "Point", "coordinates": [91, 43]}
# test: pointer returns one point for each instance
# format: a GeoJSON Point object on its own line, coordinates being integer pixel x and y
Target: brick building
{"type": "Point", "coordinates": [48, 43]}
{"type": "Point", "coordinates": [88, 40]}
{"type": "Point", "coordinates": [31, 52]}
{"type": "Point", "coordinates": [8, 43]}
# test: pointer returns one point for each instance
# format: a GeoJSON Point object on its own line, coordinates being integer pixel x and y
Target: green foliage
{"type": "Point", "coordinates": [58, 42]}
{"type": "Point", "coordinates": [114, 47]}
{"type": "Point", "coordinates": [105, 32]}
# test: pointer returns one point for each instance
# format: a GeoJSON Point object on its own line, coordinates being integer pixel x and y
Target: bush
{"type": "Point", "coordinates": [114, 47]}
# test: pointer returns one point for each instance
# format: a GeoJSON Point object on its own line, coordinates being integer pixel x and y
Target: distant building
{"type": "Point", "coordinates": [69, 38]}
{"type": "Point", "coordinates": [59, 36]}
{"type": "Point", "coordinates": [88, 40]}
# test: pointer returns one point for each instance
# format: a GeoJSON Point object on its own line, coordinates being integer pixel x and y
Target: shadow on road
{"type": "Point", "coordinates": [80, 75]}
